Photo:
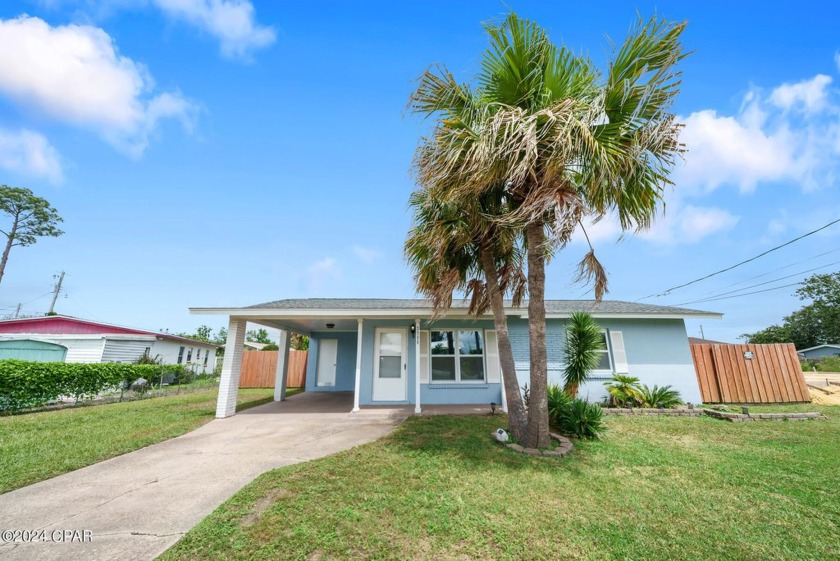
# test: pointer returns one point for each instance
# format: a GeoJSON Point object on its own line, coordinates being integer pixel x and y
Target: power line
{"type": "Point", "coordinates": [710, 275]}
{"type": "Point", "coordinates": [744, 294]}
{"type": "Point", "coordinates": [704, 299]}
{"type": "Point", "coordinates": [794, 264]}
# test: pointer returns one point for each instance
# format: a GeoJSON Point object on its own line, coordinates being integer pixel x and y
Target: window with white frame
{"type": "Point", "coordinates": [457, 356]}
{"type": "Point", "coordinates": [180, 355]}
{"type": "Point", "coordinates": [604, 367]}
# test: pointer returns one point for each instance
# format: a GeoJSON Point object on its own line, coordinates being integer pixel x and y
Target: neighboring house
{"type": "Point", "coordinates": [250, 346]}
{"type": "Point", "coordinates": [820, 351]}
{"type": "Point", "coordinates": [68, 339]}
{"type": "Point", "coordinates": [389, 352]}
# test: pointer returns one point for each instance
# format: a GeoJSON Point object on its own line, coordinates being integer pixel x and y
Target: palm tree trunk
{"type": "Point", "coordinates": [538, 436]}
{"type": "Point", "coordinates": [9, 242]}
{"type": "Point", "coordinates": [516, 409]}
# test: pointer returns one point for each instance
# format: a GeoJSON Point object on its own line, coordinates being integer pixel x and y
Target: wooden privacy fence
{"type": "Point", "coordinates": [749, 373]}
{"type": "Point", "coordinates": [259, 369]}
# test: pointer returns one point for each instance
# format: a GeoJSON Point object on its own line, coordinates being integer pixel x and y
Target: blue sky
{"type": "Point", "coordinates": [225, 153]}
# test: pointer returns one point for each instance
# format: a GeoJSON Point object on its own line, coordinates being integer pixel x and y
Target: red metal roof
{"type": "Point", "coordinates": [65, 325]}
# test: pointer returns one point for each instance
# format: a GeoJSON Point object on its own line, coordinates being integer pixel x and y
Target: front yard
{"type": "Point", "coordinates": [654, 488]}
{"type": "Point", "coordinates": [37, 446]}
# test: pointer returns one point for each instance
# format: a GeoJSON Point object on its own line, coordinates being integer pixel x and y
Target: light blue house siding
{"type": "Point", "coordinates": [821, 352]}
{"type": "Point", "coordinates": [34, 351]}
{"type": "Point", "coordinates": [657, 353]}
{"type": "Point", "coordinates": [429, 393]}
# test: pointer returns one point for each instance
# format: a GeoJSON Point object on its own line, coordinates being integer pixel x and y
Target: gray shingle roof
{"type": "Point", "coordinates": [551, 306]}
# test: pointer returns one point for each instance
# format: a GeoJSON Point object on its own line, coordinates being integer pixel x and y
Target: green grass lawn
{"type": "Point", "coordinates": [38, 446]}
{"type": "Point", "coordinates": [654, 488]}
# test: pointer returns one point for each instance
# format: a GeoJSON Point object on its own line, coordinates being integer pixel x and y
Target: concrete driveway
{"type": "Point", "coordinates": [137, 505]}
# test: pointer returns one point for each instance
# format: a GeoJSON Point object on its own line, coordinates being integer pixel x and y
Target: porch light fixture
{"type": "Point", "coordinates": [413, 329]}
{"type": "Point", "coordinates": [330, 325]}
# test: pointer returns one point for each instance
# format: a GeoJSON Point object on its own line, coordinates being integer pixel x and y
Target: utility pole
{"type": "Point", "coordinates": [17, 312]}
{"type": "Point", "coordinates": [56, 292]}
{"type": "Point", "coordinates": [702, 335]}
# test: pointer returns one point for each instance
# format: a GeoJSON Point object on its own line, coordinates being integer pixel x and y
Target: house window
{"type": "Point", "coordinates": [189, 355]}
{"type": "Point", "coordinates": [198, 355]}
{"type": "Point", "coordinates": [457, 356]}
{"type": "Point", "coordinates": [180, 355]}
{"type": "Point", "coordinates": [206, 356]}
{"type": "Point", "coordinates": [147, 352]}
{"type": "Point", "coordinates": [604, 369]}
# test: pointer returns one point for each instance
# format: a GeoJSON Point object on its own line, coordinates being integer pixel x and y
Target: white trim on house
{"type": "Point", "coordinates": [358, 382]}
{"type": "Point", "coordinates": [411, 313]}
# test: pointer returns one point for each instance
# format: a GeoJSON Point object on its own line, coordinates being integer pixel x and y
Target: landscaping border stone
{"type": "Point", "coordinates": [741, 417]}
{"type": "Point", "coordinates": [677, 412]}
{"type": "Point", "coordinates": [565, 446]}
{"type": "Point", "coordinates": [722, 415]}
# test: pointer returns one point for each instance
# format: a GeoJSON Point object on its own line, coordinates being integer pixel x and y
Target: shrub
{"type": "Point", "coordinates": [581, 419]}
{"type": "Point", "coordinates": [624, 391]}
{"type": "Point", "coordinates": [30, 384]}
{"type": "Point", "coordinates": [271, 347]}
{"type": "Point", "coordinates": [558, 401]}
{"type": "Point", "coordinates": [572, 416]}
{"type": "Point", "coordinates": [660, 397]}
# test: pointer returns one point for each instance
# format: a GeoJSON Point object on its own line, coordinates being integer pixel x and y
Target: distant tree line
{"type": "Point", "coordinates": [817, 323]}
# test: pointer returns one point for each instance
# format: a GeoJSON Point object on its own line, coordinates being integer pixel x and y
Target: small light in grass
{"type": "Point", "coordinates": [493, 408]}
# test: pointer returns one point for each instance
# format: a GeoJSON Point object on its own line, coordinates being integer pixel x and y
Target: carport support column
{"type": "Point", "coordinates": [416, 366]}
{"type": "Point", "coordinates": [358, 366]}
{"type": "Point", "coordinates": [282, 374]}
{"type": "Point", "coordinates": [231, 366]}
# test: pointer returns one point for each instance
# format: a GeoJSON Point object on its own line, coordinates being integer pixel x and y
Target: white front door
{"type": "Point", "coordinates": [390, 365]}
{"type": "Point", "coordinates": [327, 353]}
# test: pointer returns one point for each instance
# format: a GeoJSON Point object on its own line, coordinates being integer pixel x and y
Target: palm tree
{"type": "Point", "coordinates": [581, 353]}
{"type": "Point", "coordinates": [563, 141]}
{"type": "Point", "coordinates": [453, 248]}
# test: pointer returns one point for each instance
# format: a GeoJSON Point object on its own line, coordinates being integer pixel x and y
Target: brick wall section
{"type": "Point", "coordinates": [554, 340]}
{"type": "Point", "coordinates": [231, 367]}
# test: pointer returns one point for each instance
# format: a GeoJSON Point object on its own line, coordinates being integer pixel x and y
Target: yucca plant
{"type": "Point", "coordinates": [624, 391]}
{"type": "Point", "coordinates": [581, 419]}
{"type": "Point", "coordinates": [581, 352]}
{"type": "Point", "coordinates": [663, 397]}
{"type": "Point", "coordinates": [558, 401]}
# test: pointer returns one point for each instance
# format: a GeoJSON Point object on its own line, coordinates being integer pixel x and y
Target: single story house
{"type": "Point", "coordinates": [820, 351]}
{"type": "Point", "coordinates": [390, 351]}
{"type": "Point", "coordinates": [68, 339]}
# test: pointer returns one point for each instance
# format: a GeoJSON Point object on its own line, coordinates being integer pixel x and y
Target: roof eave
{"type": "Point", "coordinates": [425, 312]}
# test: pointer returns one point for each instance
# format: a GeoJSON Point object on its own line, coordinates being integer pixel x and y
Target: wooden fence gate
{"type": "Point", "coordinates": [259, 369]}
{"type": "Point", "coordinates": [749, 373]}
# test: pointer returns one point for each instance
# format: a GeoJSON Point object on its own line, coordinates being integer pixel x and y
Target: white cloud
{"type": "Point", "coordinates": [724, 150]}
{"type": "Point", "coordinates": [74, 74]}
{"type": "Point", "coordinates": [29, 153]}
{"type": "Point", "coordinates": [810, 94]}
{"type": "Point", "coordinates": [366, 254]}
{"type": "Point", "coordinates": [319, 276]}
{"type": "Point", "coordinates": [232, 22]}
{"type": "Point", "coordinates": [690, 224]}
{"type": "Point", "coordinates": [682, 224]}
{"type": "Point", "coordinates": [791, 135]}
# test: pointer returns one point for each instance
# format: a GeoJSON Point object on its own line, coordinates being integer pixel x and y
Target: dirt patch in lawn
{"type": "Point", "coordinates": [256, 511]}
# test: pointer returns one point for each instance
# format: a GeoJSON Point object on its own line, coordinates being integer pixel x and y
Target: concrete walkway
{"type": "Point", "coordinates": [137, 505]}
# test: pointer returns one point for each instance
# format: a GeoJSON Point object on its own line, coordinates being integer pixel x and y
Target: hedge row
{"type": "Point", "coordinates": [31, 384]}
